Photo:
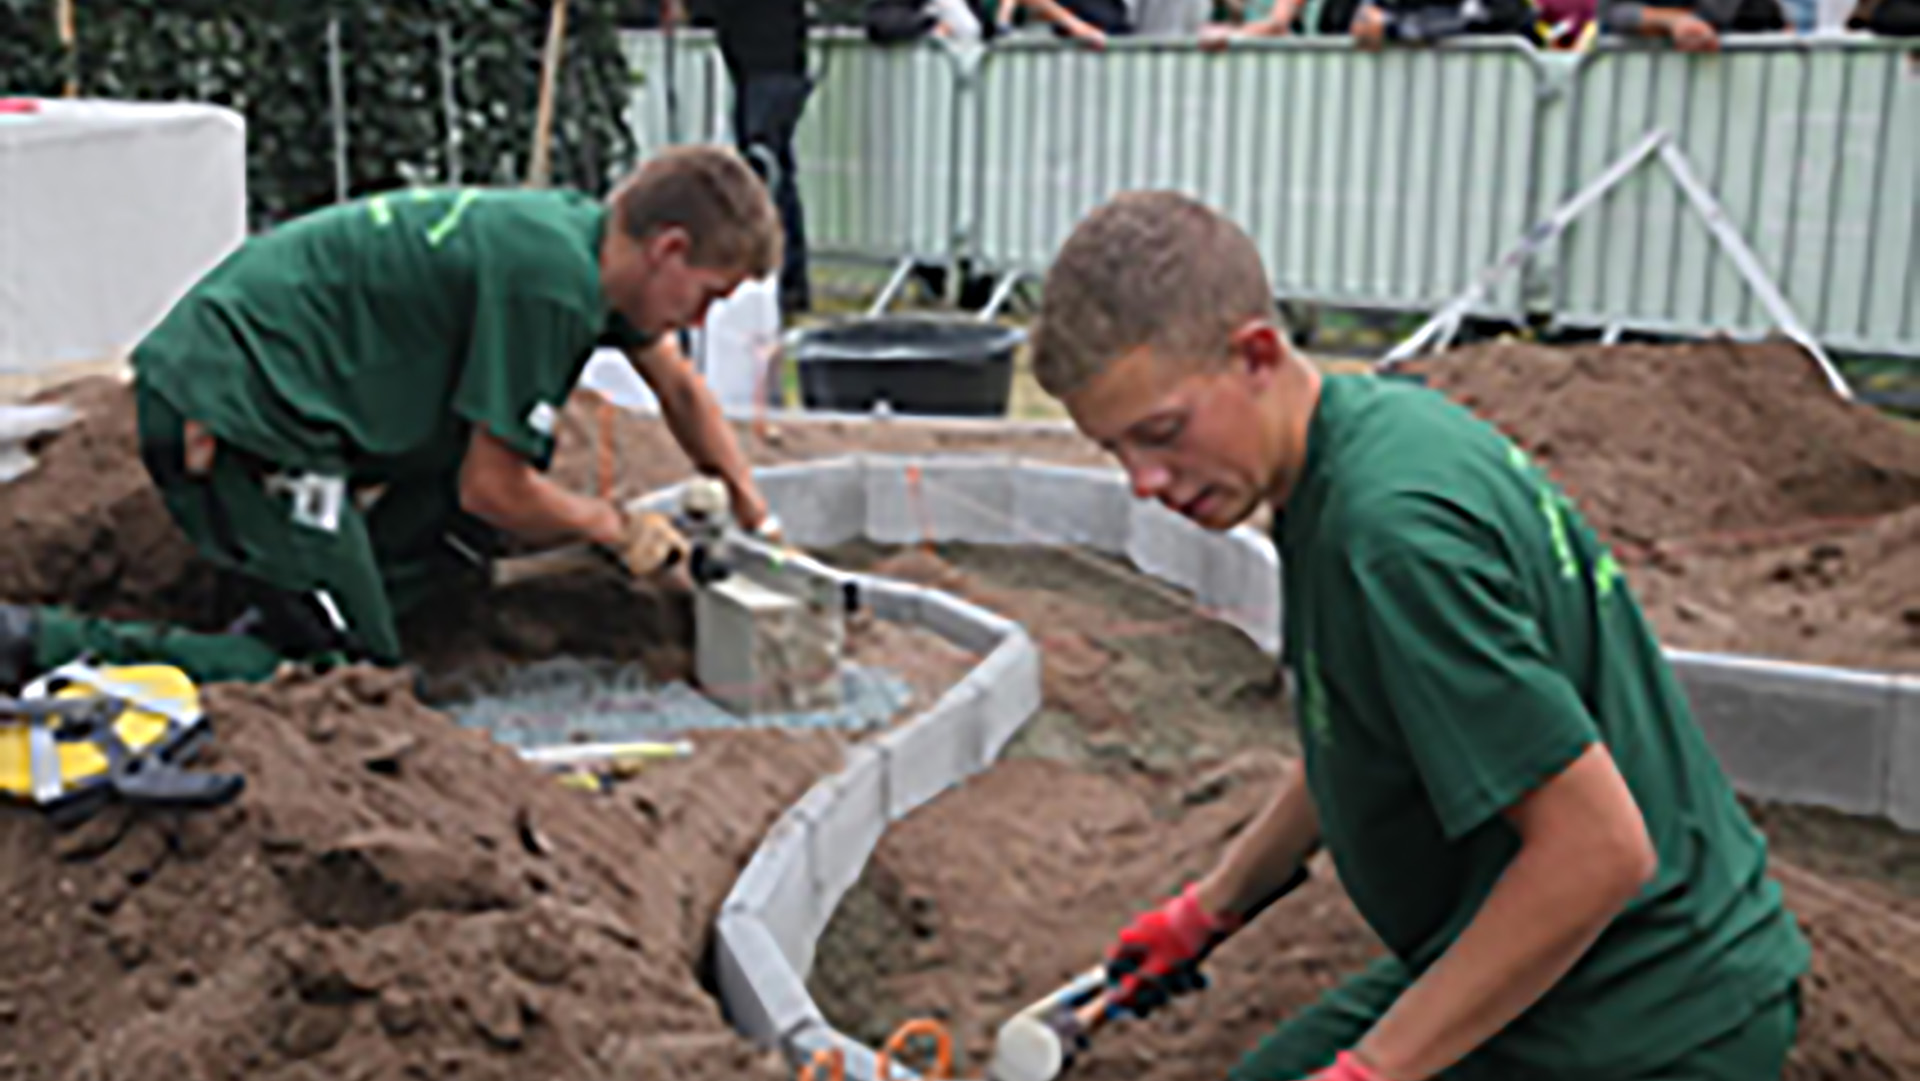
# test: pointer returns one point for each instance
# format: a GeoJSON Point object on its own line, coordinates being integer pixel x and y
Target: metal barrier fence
{"type": "Point", "coordinates": [1387, 180]}
{"type": "Point", "coordinates": [881, 150]}
{"type": "Point", "coordinates": [1811, 147]}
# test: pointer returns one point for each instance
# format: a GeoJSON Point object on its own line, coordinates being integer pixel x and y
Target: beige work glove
{"type": "Point", "coordinates": [649, 543]}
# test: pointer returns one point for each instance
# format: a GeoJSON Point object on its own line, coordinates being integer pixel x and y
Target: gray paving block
{"type": "Point", "coordinates": [1795, 733]}
{"type": "Point", "coordinates": [860, 1062]}
{"type": "Point", "coordinates": [1903, 773]}
{"type": "Point", "coordinates": [1166, 546]}
{"type": "Point", "coordinates": [766, 999]}
{"type": "Point", "coordinates": [895, 602]}
{"type": "Point", "coordinates": [932, 752]}
{"type": "Point", "coordinates": [819, 503]}
{"type": "Point", "coordinates": [777, 887]}
{"type": "Point", "coordinates": [971, 499]}
{"type": "Point", "coordinates": [1060, 506]}
{"type": "Point", "coordinates": [1240, 585]}
{"type": "Point", "coordinates": [966, 625]}
{"type": "Point", "coordinates": [895, 515]}
{"type": "Point", "coordinates": [848, 825]}
{"type": "Point", "coordinates": [1009, 682]}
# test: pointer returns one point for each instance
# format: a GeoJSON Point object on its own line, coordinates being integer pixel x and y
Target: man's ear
{"type": "Point", "coordinates": [1260, 349]}
{"type": "Point", "coordinates": [668, 242]}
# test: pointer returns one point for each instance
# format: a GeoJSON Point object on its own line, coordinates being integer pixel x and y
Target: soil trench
{"type": "Point", "coordinates": [1015, 882]}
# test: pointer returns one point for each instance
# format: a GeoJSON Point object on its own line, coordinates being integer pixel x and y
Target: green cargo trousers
{"type": "Point", "coordinates": [328, 588]}
{"type": "Point", "coordinates": [1756, 1051]}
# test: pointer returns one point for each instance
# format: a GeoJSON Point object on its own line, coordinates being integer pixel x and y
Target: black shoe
{"type": "Point", "coordinates": [19, 625]}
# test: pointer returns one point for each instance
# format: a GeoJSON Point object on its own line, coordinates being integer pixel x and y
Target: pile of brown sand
{"type": "Point", "coordinates": [1665, 443]}
{"type": "Point", "coordinates": [1755, 511]}
{"type": "Point", "coordinates": [1008, 886]}
{"type": "Point", "coordinates": [390, 897]}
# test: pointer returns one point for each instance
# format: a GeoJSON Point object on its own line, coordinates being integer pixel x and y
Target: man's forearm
{"type": "Point", "coordinates": [1278, 21]}
{"type": "Point", "coordinates": [539, 511]}
{"type": "Point", "coordinates": [702, 430]}
{"type": "Point", "coordinates": [1263, 857]}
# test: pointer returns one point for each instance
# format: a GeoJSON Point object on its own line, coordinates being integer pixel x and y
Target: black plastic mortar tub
{"type": "Point", "coordinates": [914, 364]}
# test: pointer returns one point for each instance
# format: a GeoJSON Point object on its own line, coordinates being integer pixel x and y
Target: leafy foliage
{"type": "Point", "coordinates": [435, 90]}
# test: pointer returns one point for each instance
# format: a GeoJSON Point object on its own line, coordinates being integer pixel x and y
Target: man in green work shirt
{"type": "Point", "coordinates": [1503, 768]}
{"type": "Point", "coordinates": [349, 409]}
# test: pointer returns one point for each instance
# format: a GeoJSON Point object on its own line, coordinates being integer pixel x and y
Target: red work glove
{"type": "Point", "coordinates": [1158, 955]}
{"type": "Point", "coordinates": [1347, 1067]}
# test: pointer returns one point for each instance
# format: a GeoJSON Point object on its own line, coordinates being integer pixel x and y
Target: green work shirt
{"type": "Point", "coordinates": [365, 339]}
{"type": "Point", "coordinates": [1458, 636]}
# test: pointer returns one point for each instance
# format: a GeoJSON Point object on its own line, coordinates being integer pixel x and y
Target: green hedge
{"type": "Point", "coordinates": [267, 59]}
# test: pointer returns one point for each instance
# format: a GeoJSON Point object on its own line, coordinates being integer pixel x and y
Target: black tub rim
{"type": "Point", "coordinates": [990, 341]}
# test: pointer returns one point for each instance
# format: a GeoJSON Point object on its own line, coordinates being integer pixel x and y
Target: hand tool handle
{"type": "Point", "coordinates": [1094, 1013]}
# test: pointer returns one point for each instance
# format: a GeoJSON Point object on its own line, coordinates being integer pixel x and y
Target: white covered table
{"type": "Point", "coordinates": [108, 212]}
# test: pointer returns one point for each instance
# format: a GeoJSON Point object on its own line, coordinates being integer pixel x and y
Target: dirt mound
{"type": "Point", "coordinates": [1665, 442]}
{"type": "Point", "coordinates": [86, 527]}
{"type": "Point", "coordinates": [390, 897]}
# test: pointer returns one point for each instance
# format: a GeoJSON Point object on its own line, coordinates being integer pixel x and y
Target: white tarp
{"type": "Point", "coordinates": [108, 212]}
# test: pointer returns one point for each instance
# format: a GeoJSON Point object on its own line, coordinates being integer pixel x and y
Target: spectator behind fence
{"type": "Point", "coordinates": [1373, 23]}
{"type": "Point", "coordinates": [1693, 26]}
{"type": "Point", "coordinates": [893, 22]}
{"type": "Point", "coordinates": [1891, 18]}
{"type": "Point", "coordinates": [1092, 22]}
{"type": "Point", "coordinates": [764, 45]}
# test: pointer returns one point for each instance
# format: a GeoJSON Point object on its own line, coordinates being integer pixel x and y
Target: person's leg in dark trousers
{"type": "Point", "coordinates": [766, 111]}
{"type": "Point", "coordinates": [316, 592]}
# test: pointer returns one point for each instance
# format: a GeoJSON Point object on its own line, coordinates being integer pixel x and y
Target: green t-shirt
{"type": "Point", "coordinates": [367, 338]}
{"type": "Point", "coordinates": [1459, 636]}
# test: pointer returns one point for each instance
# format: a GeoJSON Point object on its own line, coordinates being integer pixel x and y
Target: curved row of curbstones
{"type": "Point", "coordinates": [1794, 733]}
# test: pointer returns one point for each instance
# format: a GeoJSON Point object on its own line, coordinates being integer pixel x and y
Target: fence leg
{"type": "Point", "coordinates": [1000, 295]}
{"type": "Point", "coordinates": [893, 287]}
{"type": "Point", "coordinates": [337, 99]}
{"type": "Point", "coordinates": [1447, 320]}
{"type": "Point", "coordinates": [450, 99]}
{"type": "Point", "coordinates": [1748, 264]}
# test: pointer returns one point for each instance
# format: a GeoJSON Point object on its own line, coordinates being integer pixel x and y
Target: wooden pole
{"type": "Point", "coordinates": [63, 22]}
{"type": "Point", "coordinates": [539, 165]}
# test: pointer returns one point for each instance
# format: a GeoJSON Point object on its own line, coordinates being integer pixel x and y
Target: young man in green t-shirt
{"type": "Point", "coordinates": [1495, 754]}
{"type": "Point", "coordinates": [349, 410]}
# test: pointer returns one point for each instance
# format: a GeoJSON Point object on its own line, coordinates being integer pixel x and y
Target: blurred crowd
{"type": "Point", "coordinates": [1690, 25]}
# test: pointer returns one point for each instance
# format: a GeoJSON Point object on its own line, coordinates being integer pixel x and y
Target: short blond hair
{"type": "Point", "coordinates": [713, 194]}
{"type": "Point", "coordinates": [1150, 268]}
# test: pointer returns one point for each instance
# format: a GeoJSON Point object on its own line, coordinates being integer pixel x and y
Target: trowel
{"type": "Point", "coordinates": [1039, 1043]}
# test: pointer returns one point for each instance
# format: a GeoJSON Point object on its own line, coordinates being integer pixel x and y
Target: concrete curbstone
{"type": "Point", "coordinates": [966, 625]}
{"type": "Point", "coordinates": [933, 752]}
{"type": "Point", "coordinates": [893, 515]}
{"type": "Point", "coordinates": [1795, 733]}
{"type": "Point", "coordinates": [777, 888]}
{"type": "Point", "coordinates": [860, 1063]}
{"type": "Point", "coordinates": [1062, 506]}
{"type": "Point", "coordinates": [969, 500]}
{"type": "Point", "coordinates": [819, 503]}
{"type": "Point", "coordinates": [1166, 546]}
{"type": "Point", "coordinates": [1240, 585]}
{"type": "Point", "coordinates": [846, 830]}
{"type": "Point", "coordinates": [766, 999]}
{"type": "Point", "coordinates": [1903, 767]}
{"type": "Point", "coordinates": [1010, 691]}
{"type": "Point", "coordinates": [895, 602]}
